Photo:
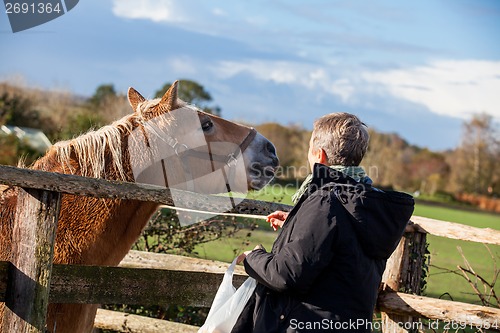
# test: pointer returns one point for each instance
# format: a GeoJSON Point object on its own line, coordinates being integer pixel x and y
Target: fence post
{"type": "Point", "coordinates": [33, 237]}
{"type": "Point", "coordinates": [403, 273]}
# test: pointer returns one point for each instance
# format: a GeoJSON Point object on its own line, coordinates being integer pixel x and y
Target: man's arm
{"type": "Point", "coordinates": [301, 260]}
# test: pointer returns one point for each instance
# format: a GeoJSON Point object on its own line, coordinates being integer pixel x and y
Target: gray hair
{"type": "Point", "coordinates": [343, 137]}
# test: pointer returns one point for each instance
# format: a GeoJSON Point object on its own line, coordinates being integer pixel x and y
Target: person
{"type": "Point", "coordinates": [325, 267]}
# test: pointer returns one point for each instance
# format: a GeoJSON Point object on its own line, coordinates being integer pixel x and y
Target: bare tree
{"type": "Point", "coordinates": [475, 163]}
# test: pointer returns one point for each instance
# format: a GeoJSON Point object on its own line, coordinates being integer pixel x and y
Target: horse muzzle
{"type": "Point", "coordinates": [262, 162]}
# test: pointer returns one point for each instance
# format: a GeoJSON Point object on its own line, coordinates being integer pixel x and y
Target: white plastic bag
{"type": "Point", "coordinates": [228, 303]}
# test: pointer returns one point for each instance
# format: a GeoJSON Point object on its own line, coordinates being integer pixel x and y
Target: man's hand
{"type": "Point", "coordinates": [277, 219]}
{"type": "Point", "coordinates": [242, 256]}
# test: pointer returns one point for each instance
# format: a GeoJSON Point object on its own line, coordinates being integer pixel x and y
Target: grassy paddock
{"type": "Point", "coordinates": [444, 252]}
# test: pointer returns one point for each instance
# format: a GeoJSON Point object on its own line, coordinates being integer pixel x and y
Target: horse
{"type": "Point", "coordinates": [94, 231]}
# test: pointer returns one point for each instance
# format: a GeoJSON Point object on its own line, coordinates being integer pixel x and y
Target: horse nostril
{"type": "Point", "coordinates": [270, 148]}
{"type": "Point", "coordinates": [272, 153]}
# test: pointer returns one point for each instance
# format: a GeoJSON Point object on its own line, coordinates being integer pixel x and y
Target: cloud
{"type": "Point", "coordinates": [155, 10]}
{"type": "Point", "coordinates": [185, 66]}
{"type": "Point", "coordinates": [293, 73]}
{"type": "Point", "coordinates": [219, 12]}
{"type": "Point", "coordinates": [455, 88]}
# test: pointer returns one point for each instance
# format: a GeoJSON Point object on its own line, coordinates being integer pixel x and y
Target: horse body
{"type": "Point", "coordinates": [101, 231]}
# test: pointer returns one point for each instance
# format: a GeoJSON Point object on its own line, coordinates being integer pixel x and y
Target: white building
{"type": "Point", "coordinates": [34, 138]}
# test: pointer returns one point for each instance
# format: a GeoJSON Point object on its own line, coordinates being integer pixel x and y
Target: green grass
{"type": "Point", "coordinates": [477, 219]}
{"type": "Point", "coordinates": [275, 193]}
{"type": "Point", "coordinates": [226, 249]}
{"type": "Point", "coordinates": [444, 253]}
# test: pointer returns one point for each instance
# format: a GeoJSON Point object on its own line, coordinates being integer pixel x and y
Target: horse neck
{"type": "Point", "coordinates": [103, 229]}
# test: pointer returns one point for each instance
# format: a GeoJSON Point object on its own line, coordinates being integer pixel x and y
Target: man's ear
{"type": "Point", "coordinates": [322, 157]}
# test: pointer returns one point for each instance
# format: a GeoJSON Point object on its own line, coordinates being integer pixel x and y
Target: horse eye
{"type": "Point", "coordinates": [206, 126]}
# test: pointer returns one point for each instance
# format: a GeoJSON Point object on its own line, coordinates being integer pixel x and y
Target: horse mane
{"type": "Point", "coordinates": [93, 149]}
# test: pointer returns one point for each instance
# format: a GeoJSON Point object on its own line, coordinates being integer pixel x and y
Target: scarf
{"type": "Point", "coordinates": [355, 172]}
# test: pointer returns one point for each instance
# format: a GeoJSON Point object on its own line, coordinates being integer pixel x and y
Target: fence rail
{"type": "Point", "coordinates": [455, 230]}
{"type": "Point", "coordinates": [191, 287]}
{"type": "Point", "coordinates": [436, 309]}
{"type": "Point", "coordinates": [119, 285]}
{"type": "Point", "coordinates": [124, 322]}
{"type": "Point", "coordinates": [100, 188]}
{"type": "Point", "coordinates": [185, 281]}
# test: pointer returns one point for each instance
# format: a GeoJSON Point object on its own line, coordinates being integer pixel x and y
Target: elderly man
{"type": "Point", "coordinates": [325, 267]}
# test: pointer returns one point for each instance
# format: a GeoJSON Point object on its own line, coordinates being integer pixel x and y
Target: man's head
{"type": "Point", "coordinates": [338, 139]}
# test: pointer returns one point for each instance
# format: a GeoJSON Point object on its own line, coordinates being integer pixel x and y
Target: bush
{"type": "Point", "coordinates": [15, 150]}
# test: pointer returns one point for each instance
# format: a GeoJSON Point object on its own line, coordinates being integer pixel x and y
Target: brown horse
{"type": "Point", "coordinates": [101, 231]}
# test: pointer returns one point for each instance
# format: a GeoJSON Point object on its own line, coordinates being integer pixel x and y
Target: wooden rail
{"type": "Point", "coordinates": [119, 285]}
{"type": "Point", "coordinates": [101, 188]}
{"type": "Point", "coordinates": [469, 315]}
{"type": "Point", "coordinates": [124, 322]}
{"type": "Point", "coordinates": [142, 259]}
{"type": "Point", "coordinates": [455, 230]}
{"type": "Point", "coordinates": [92, 284]}
{"type": "Point", "coordinates": [25, 283]}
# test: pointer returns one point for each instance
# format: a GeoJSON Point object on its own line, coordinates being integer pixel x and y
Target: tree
{"type": "Point", "coordinates": [193, 93]}
{"type": "Point", "coordinates": [17, 110]}
{"type": "Point", "coordinates": [387, 159]}
{"type": "Point", "coordinates": [428, 171]}
{"type": "Point", "coordinates": [82, 122]}
{"type": "Point", "coordinates": [475, 163]}
{"type": "Point", "coordinates": [105, 106]}
{"type": "Point", "coordinates": [102, 93]}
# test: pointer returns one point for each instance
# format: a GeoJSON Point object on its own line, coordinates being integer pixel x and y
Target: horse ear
{"type": "Point", "coordinates": [169, 100]}
{"type": "Point", "coordinates": [134, 98]}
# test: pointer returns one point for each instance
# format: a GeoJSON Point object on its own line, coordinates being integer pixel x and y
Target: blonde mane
{"type": "Point", "coordinates": [91, 148]}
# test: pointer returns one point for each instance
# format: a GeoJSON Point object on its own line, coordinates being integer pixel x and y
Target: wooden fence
{"type": "Point", "coordinates": [31, 281]}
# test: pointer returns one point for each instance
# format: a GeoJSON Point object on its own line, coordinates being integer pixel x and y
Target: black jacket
{"type": "Point", "coordinates": [325, 268]}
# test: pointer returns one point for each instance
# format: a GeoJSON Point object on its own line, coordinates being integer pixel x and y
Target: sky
{"type": "Point", "coordinates": [415, 68]}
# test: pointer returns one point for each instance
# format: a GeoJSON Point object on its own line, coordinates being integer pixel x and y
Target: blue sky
{"type": "Point", "coordinates": [417, 68]}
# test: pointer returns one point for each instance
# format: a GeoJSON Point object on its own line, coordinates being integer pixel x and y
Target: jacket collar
{"type": "Point", "coordinates": [323, 176]}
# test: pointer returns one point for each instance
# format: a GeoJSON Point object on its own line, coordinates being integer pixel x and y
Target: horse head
{"type": "Point", "coordinates": [178, 145]}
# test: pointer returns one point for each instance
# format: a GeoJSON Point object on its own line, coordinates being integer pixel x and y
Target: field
{"type": "Point", "coordinates": [444, 257]}
{"type": "Point", "coordinates": [445, 254]}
